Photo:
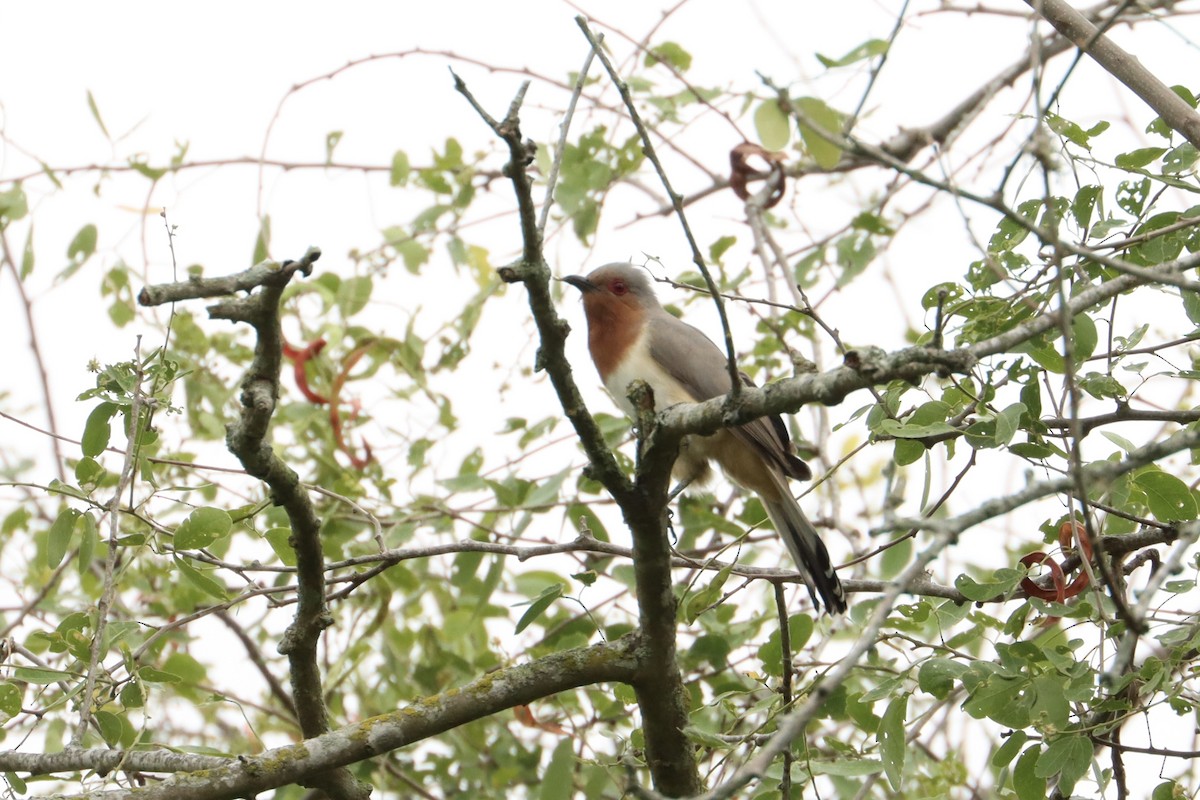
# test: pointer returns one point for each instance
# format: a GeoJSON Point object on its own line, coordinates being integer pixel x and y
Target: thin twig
{"type": "Point", "coordinates": [564, 127]}
{"type": "Point", "coordinates": [108, 592]}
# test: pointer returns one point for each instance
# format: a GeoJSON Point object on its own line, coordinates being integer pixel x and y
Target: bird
{"type": "Point", "coordinates": [632, 337]}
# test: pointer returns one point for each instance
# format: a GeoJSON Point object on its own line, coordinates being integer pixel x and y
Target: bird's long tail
{"type": "Point", "coordinates": [806, 547]}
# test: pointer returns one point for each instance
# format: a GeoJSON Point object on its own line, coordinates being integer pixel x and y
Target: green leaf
{"type": "Point", "coordinates": [868, 49]}
{"type": "Point", "coordinates": [58, 487]}
{"type": "Point", "coordinates": [704, 738]}
{"type": "Point", "coordinates": [583, 518]}
{"type": "Point", "coordinates": [400, 169]}
{"type": "Point", "coordinates": [1136, 159]}
{"type": "Point", "coordinates": [202, 527]}
{"type": "Point", "coordinates": [896, 557]}
{"type": "Point", "coordinates": [937, 676]}
{"type": "Point", "coordinates": [1104, 227]}
{"type": "Point", "coordinates": [13, 204]}
{"type": "Point", "coordinates": [1001, 582]}
{"type": "Point", "coordinates": [1005, 700]}
{"type": "Point", "coordinates": [414, 254]}
{"type": "Point", "coordinates": [872, 223]}
{"type": "Point", "coordinates": [1191, 305]}
{"type": "Point", "coordinates": [88, 538]}
{"type": "Point", "coordinates": [907, 451]}
{"type": "Point", "coordinates": [98, 429]}
{"type": "Point", "coordinates": [1131, 196]}
{"type": "Point", "coordinates": [84, 244]}
{"type": "Point", "coordinates": [331, 142]}
{"type": "Point", "coordinates": [27, 255]}
{"type": "Point", "coordinates": [279, 539]}
{"type": "Point", "coordinates": [1084, 204]}
{"type": "Point", "coordinates": [558, 779]}
{"type": "Point", "coordinates": [1008, 422]}
{"type": "Point", "coordinates": [353, 295]}
{"type": "Point", "coordinates": [1011, 232]}
{"type": "Point", "coordinates": [892, 744]}
{"type": "Point", "coordinates": [854, 252]}
{"type": "Point", "coordinates": [1084, 338]}
{"type": "Point", "coordinates": [773, 126]}
{"type": "Point", "coordinates": [19, 787]}
{"type": "Point", "coordinates": [1119, 440]}
{"type": "Point", "coordinates": [1167, 790]}
{"type": "Point", "coordinates": [262, 242]}
{"type": "Point", "coordinates": [905, 430]}
{"type": "Point", "coordinates": [1008, 751]}
{"type": "Point", "coordinates": [201, 581]}
{"type": "Point", "coordinates": [1050, 703]}
{"type": "Point", "coordinates": [1068, 757]}
{"type": "Point", "coordinates": [770, 654]}
{"type": "Point", "coordinates": [1161, 244]}
{"type": "Point", "coordinates": [142, 167]}
{"type": "Point", "coordinates": [800, 630]}
{"type": "Point", "coordinates": [1181, 159]}
{"type": "Point", "coordinates": [89, 473]}
{"type": "Point", "coordinates": [669, 53]}
{"type": "Point", "coordinates": [10, 699]}
{"type": "Point", "coordinates": [152, 675]}
{"type": "Point", "coordinates": [824, 152]}
{"type": "Point", "coordinates": [133, 695]}
{"type": "Point", "coordinates": [110, 727]}
{"type": "Point", "coordinates": [545, 493]}
{"type": "Point", "coordinates": [718, 248]}
{"type": "Point", "coordinates": [1169, 498]}
{"type": "Point", "coordinates": [189, 670]}
{"type": "Point", "coordinates": [58, 541]}
{"type": "Point", "coordinates": [91, 101]}
{"type": "Point", "coordinates": [1027, 783]}
{"type": "Point", "coordinates": [539, 605]}
{"type": "Point", "coordinates": [41, 676]}
{"type": "Point", "coordinates": [1068, 130]}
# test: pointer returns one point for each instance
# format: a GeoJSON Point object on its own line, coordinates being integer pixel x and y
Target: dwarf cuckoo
{"type": "Point", "coordinates": [631, 337]}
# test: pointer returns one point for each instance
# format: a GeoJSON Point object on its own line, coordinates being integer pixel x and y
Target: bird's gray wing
{"type": "Point", "coordinates": [701, 368]}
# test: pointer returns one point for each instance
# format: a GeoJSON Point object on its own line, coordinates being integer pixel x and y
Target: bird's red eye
{"type": "Point", "coordinates": [618, 287]}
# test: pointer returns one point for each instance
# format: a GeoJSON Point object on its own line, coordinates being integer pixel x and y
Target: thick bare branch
{"type": "Point", "coordinates": [268, 273]}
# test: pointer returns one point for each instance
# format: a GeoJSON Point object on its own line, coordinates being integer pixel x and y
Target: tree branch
{"type": "Point", "coordinates": [229, 778]}
{"type": "Point", "coordinates": [659, 684]}
{"type": "Point", "coordinates": [872, 366]}
{"type": "Point", "coordinates": [1122, 66]}
{"type": "Point", "coordinates": [246, 438]}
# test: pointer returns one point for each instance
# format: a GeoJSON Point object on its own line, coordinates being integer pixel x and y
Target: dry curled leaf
{"type": "Point", "coordinates": [743, 171]}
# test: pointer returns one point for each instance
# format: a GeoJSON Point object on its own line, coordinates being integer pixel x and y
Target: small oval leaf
{"type": "Point", "coordinates": [98, 429]}
{"type": "Point", "coordinates": [202, 527]}
{"type": "Point", "coordinates": [58, 541]}
{"type": "Point", "coordinates": [773, 126]}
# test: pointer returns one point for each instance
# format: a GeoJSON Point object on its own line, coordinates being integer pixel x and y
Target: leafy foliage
{"type": "Point", "coordinates": [462, 534]}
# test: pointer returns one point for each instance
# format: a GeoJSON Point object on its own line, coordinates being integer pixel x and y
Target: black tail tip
{"type": "Point", "coordinates": [832, 597]}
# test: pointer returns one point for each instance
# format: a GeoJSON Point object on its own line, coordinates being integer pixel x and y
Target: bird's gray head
{"type": "Point", "coordinates": [620, 283]}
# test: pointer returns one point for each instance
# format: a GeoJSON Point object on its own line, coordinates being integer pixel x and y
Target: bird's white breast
{"type": "Point", "coordinates": [638, 365]}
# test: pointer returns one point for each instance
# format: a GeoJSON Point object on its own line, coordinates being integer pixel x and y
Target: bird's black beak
{"type": "Point", "coordinates": [581, 283]}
